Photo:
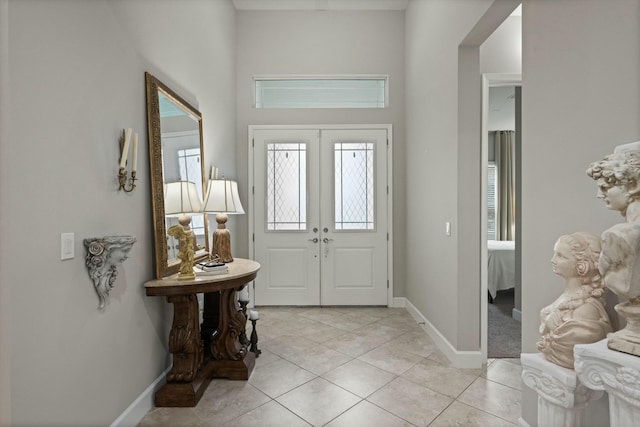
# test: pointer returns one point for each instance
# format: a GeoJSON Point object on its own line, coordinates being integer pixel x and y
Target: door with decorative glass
{"type": "Point", "coordinates": [320, 212]}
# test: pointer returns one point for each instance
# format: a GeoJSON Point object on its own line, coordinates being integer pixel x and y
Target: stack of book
{"type": "Point", "coordinates": [209, 268]}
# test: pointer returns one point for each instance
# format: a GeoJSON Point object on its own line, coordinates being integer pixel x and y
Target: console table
{"type": "Point", "coordinates": [213, 350]}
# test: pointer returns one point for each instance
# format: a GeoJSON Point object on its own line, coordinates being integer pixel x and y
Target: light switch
{"type": "Point", "coordinates": [67, 245]}
{"type": "Point", "coordinates": [447, 228]}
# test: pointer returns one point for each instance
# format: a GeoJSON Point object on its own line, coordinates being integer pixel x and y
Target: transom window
{"type": "Point", "coordinates": [321, 92]}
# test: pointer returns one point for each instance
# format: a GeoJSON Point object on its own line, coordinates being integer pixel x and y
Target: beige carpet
{"type": "Point", "coordinates": [504, 337]}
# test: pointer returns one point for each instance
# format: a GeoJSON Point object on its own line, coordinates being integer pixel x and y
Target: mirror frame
{"type": "Point", "coordinates": [162, 266]}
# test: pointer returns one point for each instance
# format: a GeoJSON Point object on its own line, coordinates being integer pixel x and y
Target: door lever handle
{"type": "Point", "coordinates": [314, 240]}
{"type": "Point", "coordinates": [327, 240]}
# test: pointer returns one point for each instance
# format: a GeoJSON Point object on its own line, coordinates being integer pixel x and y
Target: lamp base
{"type": "Point", "coordinates": [222, 240]}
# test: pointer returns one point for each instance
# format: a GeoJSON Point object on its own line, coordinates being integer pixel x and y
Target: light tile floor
{"type": "Point", "coordinates": [351, 367]}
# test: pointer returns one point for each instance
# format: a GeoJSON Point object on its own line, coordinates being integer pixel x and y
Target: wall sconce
{"type": "Point", "coordinates": [222, 198]}
{"type": "Point", "coordinates": [181, 199]}
{"type": "Point", "coordinates": [104, 254]}
{"type": "Point", "coordinates": [125, 183]}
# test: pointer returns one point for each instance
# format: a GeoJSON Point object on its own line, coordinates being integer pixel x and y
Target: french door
{"type": "Point", "coordinates": [320, 215]}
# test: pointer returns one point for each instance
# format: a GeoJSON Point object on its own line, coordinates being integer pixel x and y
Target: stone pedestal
{"type": "Point", "coordinates": [562, 398]}
{"type": "Point", "coordinates": [600, 368]}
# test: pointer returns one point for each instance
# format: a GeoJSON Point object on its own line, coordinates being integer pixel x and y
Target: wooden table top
{"type": "Point", "coordinates": [241, 271]}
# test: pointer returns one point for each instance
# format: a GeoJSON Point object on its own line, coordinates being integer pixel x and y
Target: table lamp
{"type": "Point", "coordinates": [181, 199]}
{"type": "Point", "coordinates": [222, 198]}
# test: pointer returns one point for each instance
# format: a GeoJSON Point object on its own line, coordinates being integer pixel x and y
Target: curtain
{"type": "Point", "coordinates": [506, 203]}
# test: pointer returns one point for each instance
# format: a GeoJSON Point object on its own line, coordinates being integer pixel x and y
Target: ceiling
{"type": "Point", "coordinates": [320, 4]}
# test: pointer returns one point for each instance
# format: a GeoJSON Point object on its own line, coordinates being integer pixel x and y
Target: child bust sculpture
{"type": "Point", "coordinates": [578, 316]}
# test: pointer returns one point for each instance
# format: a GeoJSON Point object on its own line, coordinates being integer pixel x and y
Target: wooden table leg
{"type": "Point", "coordinates": [231, 359]}
{"type": "Point", "coordinates": [187, 379]}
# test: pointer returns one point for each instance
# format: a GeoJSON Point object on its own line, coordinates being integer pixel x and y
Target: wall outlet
{"type": "Point", "coordinates": [67, 245]}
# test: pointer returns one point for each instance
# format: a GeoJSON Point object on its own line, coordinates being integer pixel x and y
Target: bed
{"type": "Point", "coordinates": [501, 269]}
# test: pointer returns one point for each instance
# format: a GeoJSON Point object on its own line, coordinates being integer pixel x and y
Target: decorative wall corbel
{"type": "Point", "coordinates": [104, 254]}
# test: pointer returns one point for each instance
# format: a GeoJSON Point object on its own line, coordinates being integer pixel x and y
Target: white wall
{"type": "Point", "coordinates": [433, 32]}
{"type": "Point", "coordinates": [442, 171]}
{"type": "Point", "coordinates": [502, 51]}
{"type": "Point", "coordinates": [75, 79]}
{"type": "Point", "coordinates": [580, 98]}
{"type": "Point", "coordinates": [502, 110]}
{"type": "Point", "coordinates": [5, 306]}
{"type": "Point", "coordinates": [323, 42]}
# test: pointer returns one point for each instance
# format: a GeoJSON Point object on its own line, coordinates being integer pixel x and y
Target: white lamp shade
{"type": "Point", "coordinates": [181, 197]}
{"type": "Point", "coordinates": [222, 197]}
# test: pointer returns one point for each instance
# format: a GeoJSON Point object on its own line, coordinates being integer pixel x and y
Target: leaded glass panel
{"type": "Point", "coordinates": [354, 200]}
{"type": "Point", "coordinates": [286, 186]}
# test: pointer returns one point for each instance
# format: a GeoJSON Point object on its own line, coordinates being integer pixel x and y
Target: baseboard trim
{"type": "Point", "coordinates": [143, 404]}
{"type": "Point", "coordinates": [516, 314]}
{"type": "Point", "coordinates": [459, 359]}
{"type": "Point", "coordinates": [523, 423]}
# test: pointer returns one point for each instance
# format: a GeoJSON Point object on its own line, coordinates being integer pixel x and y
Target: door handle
{"type": "Point", "coordinates": [326, 241]}
{"type": "Point", "coordinates": [314, 240]}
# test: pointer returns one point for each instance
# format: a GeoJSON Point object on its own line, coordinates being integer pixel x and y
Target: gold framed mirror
{"type": "Point", "coordinates": [175, 154]}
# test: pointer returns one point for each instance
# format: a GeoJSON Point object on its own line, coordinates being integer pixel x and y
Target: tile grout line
{"type": "Point", "coordinates": [305, 327]}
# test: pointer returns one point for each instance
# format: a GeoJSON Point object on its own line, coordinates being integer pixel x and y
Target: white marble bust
{"type": "Point", "coordinates": [578, 315]}
{"type": "Point", "coordinates": [620, 266]}
{"type": "Point", "coordinates": [620, 259]}
{"type": "Point", "coordinates": [618, 180]}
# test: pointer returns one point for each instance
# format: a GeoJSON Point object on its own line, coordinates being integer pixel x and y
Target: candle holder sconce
{"type": "Point", "coordinates": [243, 299]}
{"type": "Point", "coordinates": [253, 317]}
{"type": "Point", "coordinates": [104, 255]}
{"type": "Point", "coordinates": [122, 181]}
{"type": "Point", "coordinates": [126, 183]}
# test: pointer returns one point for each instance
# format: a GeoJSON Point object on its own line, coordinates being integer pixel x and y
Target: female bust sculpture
{"type": "Point", "coordinates": [618, 180]}
{"type": "Point", "coordinates": [578, 316]}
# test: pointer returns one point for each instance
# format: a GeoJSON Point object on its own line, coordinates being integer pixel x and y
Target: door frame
{"type": "Point", "coordinates": [490, 80]}
{"type": "Point", "coordinates": [251, 192]}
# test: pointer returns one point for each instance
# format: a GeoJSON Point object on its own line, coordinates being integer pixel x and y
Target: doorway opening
{"type": "Point", "coordinates": [501, 154]}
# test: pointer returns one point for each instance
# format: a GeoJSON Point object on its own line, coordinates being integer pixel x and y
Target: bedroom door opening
{"type": "Point", "coordinates": [500, 257]}
{"type": "Point", "coordinates": [320, 210]}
